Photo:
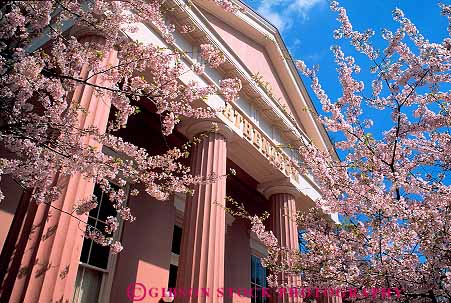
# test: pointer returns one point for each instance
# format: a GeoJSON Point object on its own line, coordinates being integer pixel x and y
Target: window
{"type": "Point", "coordinates": [175, 253]}
{"type": "Point", "coordinates": [258, 280]}
{"type": "Point", "coordinates": [302, 242]}
{"type": "Point", "coordinates": [176, 240]}
{"type": "Point", "coordinates": [172, 276]}
{"type": "Point", "coordinates": [95, 259]}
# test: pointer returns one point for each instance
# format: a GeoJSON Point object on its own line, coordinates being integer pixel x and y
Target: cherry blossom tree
{"type": "Point", "coordinates": [49, 51]}
{"type": "Point", "coordinates": [392, 184]}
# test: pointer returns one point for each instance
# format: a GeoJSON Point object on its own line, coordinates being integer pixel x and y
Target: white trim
{"type": "Point", "coordinates": [306, 184]}
{"type": "Point", "coordinates": [108, 273]}
{"type": "Point", "coordinates": [86, 265]}
{"type": "Point", "coordinates": [268, 30]}
{"type": "Point", "coordinates": [107, 279]}
{"type": "Point", "coordinates": [242, 70]}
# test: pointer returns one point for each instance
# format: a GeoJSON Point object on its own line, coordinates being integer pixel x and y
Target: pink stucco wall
{"type": "Point", "coordinates": [254, 56]}
{"type": "Point", "coordinates": [146, 257]}
{"type": "Point", "coordinates": [147, 247]}
{"type": "Point", "coordinates": [237, 272]}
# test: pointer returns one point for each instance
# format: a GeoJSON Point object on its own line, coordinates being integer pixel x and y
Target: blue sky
{"type": "Point", "coordinates": [307, 25]}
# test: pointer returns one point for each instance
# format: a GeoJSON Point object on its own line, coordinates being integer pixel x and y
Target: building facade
{"type": "Point", "coordinates": [186, 242]}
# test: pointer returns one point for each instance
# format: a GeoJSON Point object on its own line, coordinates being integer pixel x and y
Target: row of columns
{"type": "Point", "coordinates": [41, 266]}
{"type": "Point", "coordinates": [201, 262]}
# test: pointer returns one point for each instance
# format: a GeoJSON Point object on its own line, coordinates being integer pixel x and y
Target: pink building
{"type": "Point", "coordinates": [185, 242]}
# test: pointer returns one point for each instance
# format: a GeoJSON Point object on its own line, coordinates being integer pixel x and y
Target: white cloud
{"type": "Point", "coordinates": [282, 13]}
{"type": "Point", "coordinates": [305, 5]}
{"type": "Point", "coordinates": [294, 45]}
{"type": "Point", "coordinates": [273, 16]}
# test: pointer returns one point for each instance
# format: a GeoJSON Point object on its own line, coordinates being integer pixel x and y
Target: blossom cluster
{"type": "Point", "coordinates": [212, 55]}
{"type": "Point", "coordinates": [390, 184]}
{"type": "Point", "coordinates": [230, 89]}
{"type": "Point", "coordinates": [99, 238]}
{"type": "Point", "coordinates": [228, 6]}
{"type": "Point", "coordinates": [49, 97]}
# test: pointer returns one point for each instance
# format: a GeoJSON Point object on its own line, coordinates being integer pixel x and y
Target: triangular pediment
{"type": "Point", "coordinates": [259, 47]}
{"type": "Point", "coordinates": [256, 59]}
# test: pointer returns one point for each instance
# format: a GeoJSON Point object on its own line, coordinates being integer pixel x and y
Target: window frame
{"type": "Point", "coordinates": [259, 251]}
{"type": "Point", "coordinates": [179, 201]}
{"type": "Point", "coordinates": [106, 282]}
{"type": "Point", "coordinates": [254, 285]}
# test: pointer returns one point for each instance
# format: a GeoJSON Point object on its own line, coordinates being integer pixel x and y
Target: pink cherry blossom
{"type": "Point", "coordinates": [46, 125]}
{"type": "Point", "coordinates": [391, 182]}
{"type": "Point", "coordinates": [228, 5]}
{"type": "Point", "coordinates": [86, 206]}
{"type": "Point", "coordinates": [116, 247]}
{"type": "Point", "coordinates": [230, 89]}
{"type": "Point", "coordinates": [111, 224]}
{"type": "Point", "coordinates": [212, 55]}
{"type": "Point", "coordinates": [198, 68]}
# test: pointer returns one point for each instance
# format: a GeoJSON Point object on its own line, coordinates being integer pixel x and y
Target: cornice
{"type": "Point", "coordinates": [234, 67]}
{"type": "Point", "coordinates": [203, 32]}
{"type": "Point", "coordinates": [268, 30]}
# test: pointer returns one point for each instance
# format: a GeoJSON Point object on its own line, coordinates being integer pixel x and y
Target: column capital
{"type": "Point", "coordinates": [193, 127]}
{"type": "Point", "coordinates": [279, 186]}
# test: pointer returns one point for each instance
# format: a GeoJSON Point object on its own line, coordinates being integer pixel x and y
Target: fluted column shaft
{"type": "Point", "coordinates": [283, 212]}
{"type": "Point", "coordinates": [43, 266]}
{"type": "Point", "coordinates": [201, 262]}
{"type": "Point", "coordinates": [284, 227]}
